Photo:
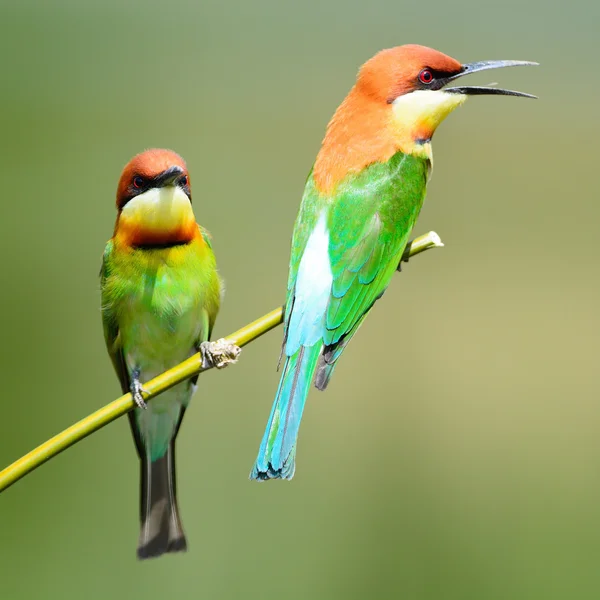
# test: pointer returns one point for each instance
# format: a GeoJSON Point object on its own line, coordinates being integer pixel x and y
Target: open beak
{"type": "Point", "coordinates": [484, 65]}
{"type": "Point", "coordinates": [168, 177]}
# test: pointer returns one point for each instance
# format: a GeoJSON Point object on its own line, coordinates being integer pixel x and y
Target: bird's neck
{"type": "Point", "coordinates": [364, 131]}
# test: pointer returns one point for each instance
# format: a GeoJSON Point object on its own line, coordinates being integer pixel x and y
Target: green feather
{"type": "Point", "coordinates": [369, 219]}
{"type": "Point", "coordinates": [372, 217]}
{"type": "Point", "coordinates": [158, 305]}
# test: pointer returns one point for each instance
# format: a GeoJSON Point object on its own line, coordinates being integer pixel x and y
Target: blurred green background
{"type": "Point", "coordinates": [456, 454]}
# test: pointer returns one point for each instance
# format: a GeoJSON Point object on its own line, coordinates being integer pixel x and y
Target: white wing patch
{"type": "Point", "coordinates": [312, 291]}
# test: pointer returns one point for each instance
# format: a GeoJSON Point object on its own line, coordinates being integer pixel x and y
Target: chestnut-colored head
{"type": "Point", "coordinates": [404, 69]}
{"type": "Point", "coordinates": [397, 103]}
{"type": "Point", "coordinates": [154, 201]}
{"type": "Point", "coordinates": [144, 170]}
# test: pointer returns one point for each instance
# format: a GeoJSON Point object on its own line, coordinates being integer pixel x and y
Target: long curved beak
{"type": "Point", "coordinates": [484, 65]}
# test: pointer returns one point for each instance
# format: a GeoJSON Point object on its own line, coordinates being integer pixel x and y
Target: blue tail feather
{"type": "Point", "coordinates": [276, 456]}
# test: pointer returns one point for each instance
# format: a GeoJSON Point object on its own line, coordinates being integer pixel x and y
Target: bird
{"type": "Point", "coordinates": [361, 200]}
{"type": "Point", "coordinates": [160, 295]}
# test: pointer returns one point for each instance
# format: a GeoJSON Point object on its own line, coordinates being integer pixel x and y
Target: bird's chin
{"type": "Point", "coordinates": [158, 209]}
{"type": "Point", "coordinates": [418, 114]}
{"type": "Point", "coordinates": [426, 106]}
{"type": "Point", "coordinates": [161, 214]}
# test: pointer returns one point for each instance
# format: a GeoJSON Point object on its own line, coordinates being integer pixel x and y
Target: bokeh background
{"type": "Point", "coordinates": [456, 454]}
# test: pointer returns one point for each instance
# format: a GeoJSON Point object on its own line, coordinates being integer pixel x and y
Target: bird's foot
{"type": "Point", "coordinates": [405, 256]}
{"type": "Point", "coordinates": [219, 354]}
{"type": "Point", "coordinates": [137, 390]}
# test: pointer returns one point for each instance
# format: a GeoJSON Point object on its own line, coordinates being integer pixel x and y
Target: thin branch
{"type": "Point", "coordinates": [182, 371]}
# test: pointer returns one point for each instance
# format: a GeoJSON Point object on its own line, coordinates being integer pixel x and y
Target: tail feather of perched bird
{"type": "Point", "coordinates": [360, 203]}
{"type": "Point", "coordinates": [160, 297]}
{"type": "Point", "coordinates": [161, 529]}
{"type": "Point", "coordinates": [277, 451]}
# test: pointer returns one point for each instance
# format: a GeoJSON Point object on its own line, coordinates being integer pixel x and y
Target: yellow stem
{"type": "Point", "coordinates": [182, 371]}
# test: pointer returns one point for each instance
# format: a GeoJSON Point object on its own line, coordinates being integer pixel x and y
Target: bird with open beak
{"type": "Point", "coordinates": [361, 201]}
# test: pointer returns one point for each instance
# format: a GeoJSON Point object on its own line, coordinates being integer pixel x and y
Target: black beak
{"type": "Point", "coordinates": [168, 177]}
{"type": "Point", "coordinates": [484, 65]}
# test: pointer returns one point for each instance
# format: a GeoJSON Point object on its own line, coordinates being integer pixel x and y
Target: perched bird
{"type": "Point", "coordinates": [160, 297]}
{"type": "Point", "coordinates": [360, 203]}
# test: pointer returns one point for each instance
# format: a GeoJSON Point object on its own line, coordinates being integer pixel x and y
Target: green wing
{"type": "Point", "coordinates": [369, 220]}
{"type": "Point", "coordinates": [369, 224]}
{"type": "Point", "coordinates": [109, 323]}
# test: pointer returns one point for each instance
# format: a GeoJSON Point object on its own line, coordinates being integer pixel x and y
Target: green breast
{"type": "Point", "coordinates": [162, 302]}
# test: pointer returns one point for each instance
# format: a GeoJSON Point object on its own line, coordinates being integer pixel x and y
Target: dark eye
{"type": "Point", "coordinates": [426, 76]}
{"type": "Point", "coordinates": [138, 182]}
{"type": "Point", "coordinates": [184, 180]}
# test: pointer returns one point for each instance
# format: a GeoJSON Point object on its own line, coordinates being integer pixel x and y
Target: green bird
{"type": "Point", "coordinates": [360, 204]}
{"type": "Point", "coordinates": [160, 297]}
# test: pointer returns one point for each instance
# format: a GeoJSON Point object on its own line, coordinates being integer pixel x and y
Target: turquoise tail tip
{"type": "Point", "coordinates": [277, 452]}
{"type": "Point", "coordinates": [264, 471]}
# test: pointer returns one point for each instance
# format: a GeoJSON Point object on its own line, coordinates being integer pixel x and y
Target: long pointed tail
{"type": "Point", "coordinates": [161, 529]}
{"type": "Point", "coordinates": [276, 456]}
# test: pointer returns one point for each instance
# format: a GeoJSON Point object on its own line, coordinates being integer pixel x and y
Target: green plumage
{"type": "Point", "coordinates": [368, 221]}
{"type": "Point", "coordinates": [158, 305]}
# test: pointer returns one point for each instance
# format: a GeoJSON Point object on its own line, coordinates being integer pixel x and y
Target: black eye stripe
{"type": "Point", "coordinates": [139, 184]}
{"type": "Point", "coordinates": [438, 79]}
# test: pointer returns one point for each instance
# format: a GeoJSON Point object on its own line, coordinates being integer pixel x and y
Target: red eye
{"type": "Point", "coordinates": [426, 76]}
{"type": "Point", "coordinates": [184, 180]}
{"type": "Point", "coordinates": [138, 182]}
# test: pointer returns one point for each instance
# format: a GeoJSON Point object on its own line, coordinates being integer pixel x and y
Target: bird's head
{"type": "Point", "coordinates": [411, 81]}
{"type": "Point", "coordinates": [399, 99]}
{"type": "Point", "coordinates": [154, 200]}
